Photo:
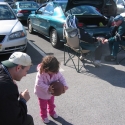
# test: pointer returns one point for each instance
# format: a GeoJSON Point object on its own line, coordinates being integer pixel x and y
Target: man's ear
{"type": "Point", "coordinates": [18, 67]}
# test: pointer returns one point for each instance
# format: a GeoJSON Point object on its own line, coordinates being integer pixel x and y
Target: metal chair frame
{"type": "Point", "coordinates": [74, 50]}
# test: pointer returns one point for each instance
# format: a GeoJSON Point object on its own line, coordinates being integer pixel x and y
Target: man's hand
{"type": "Point", "coordinates": [25, 95]}
{"type": "Point", "coordinates": [105, 41]}
{"type": "Point", "coordinates": [102, 40]}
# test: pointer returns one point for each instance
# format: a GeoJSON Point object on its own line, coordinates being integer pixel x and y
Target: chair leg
{"type": "Point", "coordinates": [71, 55]}
{"type": "Point", "coordinates": [118, 62]}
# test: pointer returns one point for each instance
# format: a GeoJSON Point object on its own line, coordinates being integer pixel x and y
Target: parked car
{"type": "Point", "coordinates": [50, 17]}
{"type": "Point", "coordinates": [120, 6]}
{"type": "Point", "coordinates": [24, 8]}
{"type": "Point", "coordinates": [13, 36]}
{"type": "Point", "coordinates": [10, 2]}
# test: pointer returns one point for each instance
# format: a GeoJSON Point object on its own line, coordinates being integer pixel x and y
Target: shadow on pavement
{"type": "Point", "coordinates": [61, 121]}
{"type": "Point", "coordinates": [107, 73]}
{"type": "Point", "coordinates": [34, 54]}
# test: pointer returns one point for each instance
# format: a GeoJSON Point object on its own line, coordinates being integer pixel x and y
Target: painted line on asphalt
{"type": "Point", "coordinates": [37, 48]}
{"type": "Point", "coordinates": [41, 52]}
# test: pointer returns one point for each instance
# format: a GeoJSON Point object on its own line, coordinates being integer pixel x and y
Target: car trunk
{"type": "Point", "coordinates": [96, 26]}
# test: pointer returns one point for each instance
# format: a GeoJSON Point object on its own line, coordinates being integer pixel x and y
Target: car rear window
{"type": "Point", "coordinates": [28, 5]}
{"type": "Point", "coordinates": [61, 4]}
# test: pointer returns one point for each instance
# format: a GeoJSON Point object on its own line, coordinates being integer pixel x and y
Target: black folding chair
{"type": "Point", "coordinates": [73, 49]}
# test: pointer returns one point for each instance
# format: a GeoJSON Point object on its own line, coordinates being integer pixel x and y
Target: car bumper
{"type": "Point", "coordinates": [22, 18]}
{"type": "Point", "coordinates": [13, 45]}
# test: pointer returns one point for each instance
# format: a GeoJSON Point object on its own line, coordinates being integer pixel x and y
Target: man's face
{"type": "Point", "coordinates": [20, 72]}
{"type": "Point", "coordinates": [117, 23]}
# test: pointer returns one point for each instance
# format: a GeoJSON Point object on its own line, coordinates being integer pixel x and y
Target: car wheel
{"type": "Point", "coordinates": [30, 28]}
{"type": "Point", "coordinates": [25, 50]}
{"type": "Point", "coordinates": [54, 39]}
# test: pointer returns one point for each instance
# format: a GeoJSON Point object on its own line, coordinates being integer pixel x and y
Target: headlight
{"type": "Point", "coordinates": [16, 35]}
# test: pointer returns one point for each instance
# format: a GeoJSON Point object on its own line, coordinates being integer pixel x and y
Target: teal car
{"type": "Point", "coordinates": [23, 9]}
{"type": "Point", "coordinates": [50, 18]}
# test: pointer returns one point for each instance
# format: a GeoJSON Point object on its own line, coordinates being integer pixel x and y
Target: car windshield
{"type": "Point", "coordinates": [28, 5]}
{"type": "Point", "coordinates": [6, 13]}
{"type": "Point", "coordinates": [85, 10]}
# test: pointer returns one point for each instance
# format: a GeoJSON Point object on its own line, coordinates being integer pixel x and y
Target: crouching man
{"type": "Point", "coordinates": [13, 108]}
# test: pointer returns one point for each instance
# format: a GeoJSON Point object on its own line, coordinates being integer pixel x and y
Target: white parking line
{"type": "Point", "coordinates": [37, 48]}
{"type": "Point", "coordinates": [41, 52]}
{"type": "Point", "coordinates": [61, 70]}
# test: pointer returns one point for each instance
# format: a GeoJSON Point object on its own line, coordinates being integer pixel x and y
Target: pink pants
{"type": "Point", "coordinates": [44, 104]}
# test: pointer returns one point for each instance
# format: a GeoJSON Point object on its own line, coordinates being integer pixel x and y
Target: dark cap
{"type": "Point", "coordinates": [118, 17]}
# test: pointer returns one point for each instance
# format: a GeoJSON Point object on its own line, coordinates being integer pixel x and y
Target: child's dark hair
{"type": "Point", "coordinates": [50, 63]}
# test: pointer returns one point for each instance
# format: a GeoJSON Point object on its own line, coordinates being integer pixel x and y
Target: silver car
{"type": "Point", "coordinates": [13, 36]}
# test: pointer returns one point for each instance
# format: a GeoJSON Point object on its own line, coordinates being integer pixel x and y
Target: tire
{"type": "Point", "coordinates": [30, 28]}
{"type": "Point", "coordinates": [54, 39]}
{"type": "Point", "coordinates": [25, 50]}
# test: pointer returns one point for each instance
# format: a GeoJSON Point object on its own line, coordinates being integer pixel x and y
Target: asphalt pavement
{"type": "Point", "coordinates": [96, 96]}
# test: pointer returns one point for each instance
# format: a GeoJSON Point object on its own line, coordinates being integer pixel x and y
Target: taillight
{"type": "Point", "coordinates": [80, 25]}
{"type": "Point", "coordinates": [23, 11]}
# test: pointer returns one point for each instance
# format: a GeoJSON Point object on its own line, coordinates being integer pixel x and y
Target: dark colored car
{"type": "Point", "coordinates": [50, 18]}
{"type": "Point", "coordinates": [24, 8]}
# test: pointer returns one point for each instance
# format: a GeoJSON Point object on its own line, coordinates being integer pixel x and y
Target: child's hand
{"type": "Point", "coordinates": [65, 88]}
{"type": "Point", "coordinates": [51, 89]}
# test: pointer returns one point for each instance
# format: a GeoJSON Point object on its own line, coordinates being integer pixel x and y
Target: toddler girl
{"type": "Point", "coordinates": [48, 72]}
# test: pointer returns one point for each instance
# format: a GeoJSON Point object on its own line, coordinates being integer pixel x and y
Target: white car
{"type": "Point", "coordinates": [13, 36]}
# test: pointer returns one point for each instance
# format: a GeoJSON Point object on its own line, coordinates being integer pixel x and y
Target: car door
{"type": "Point", "coordinates": [35, 18]}
{"type": "Point", "coordinates": [44, 18]}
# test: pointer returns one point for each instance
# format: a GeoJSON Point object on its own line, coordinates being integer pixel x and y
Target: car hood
{"type": "Point", "coordinates": [74, 3]}
{"type": "Point", "coordinates": [6, 26]}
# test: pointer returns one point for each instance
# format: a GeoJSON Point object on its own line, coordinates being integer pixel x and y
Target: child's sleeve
{"type": "Point", "coordinates": [40, 83]}
{"type": "Point", "coordinates": [62, 79]}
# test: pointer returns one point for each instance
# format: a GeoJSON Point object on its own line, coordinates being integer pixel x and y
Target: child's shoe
{"type": "Point", "coordinates": [46, 120]}
{"type": "Point", "coordinates": [55, 116]}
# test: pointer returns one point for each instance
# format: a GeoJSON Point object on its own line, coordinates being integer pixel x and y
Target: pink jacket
{"type": "Point", "coordinates": [43, 81]}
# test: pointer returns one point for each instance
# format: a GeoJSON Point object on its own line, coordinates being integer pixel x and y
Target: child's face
{"type": "Point", "coordinates": [50, 73]}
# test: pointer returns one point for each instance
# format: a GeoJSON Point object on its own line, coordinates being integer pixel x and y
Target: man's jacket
{"type": "Point", "coordinates": [118, 34]}
{"type": "Point", "coordinates": [12, 110]}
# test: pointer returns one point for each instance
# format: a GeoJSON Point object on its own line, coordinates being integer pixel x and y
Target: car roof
{"type": "Point", "coordinates": [4, 3]}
